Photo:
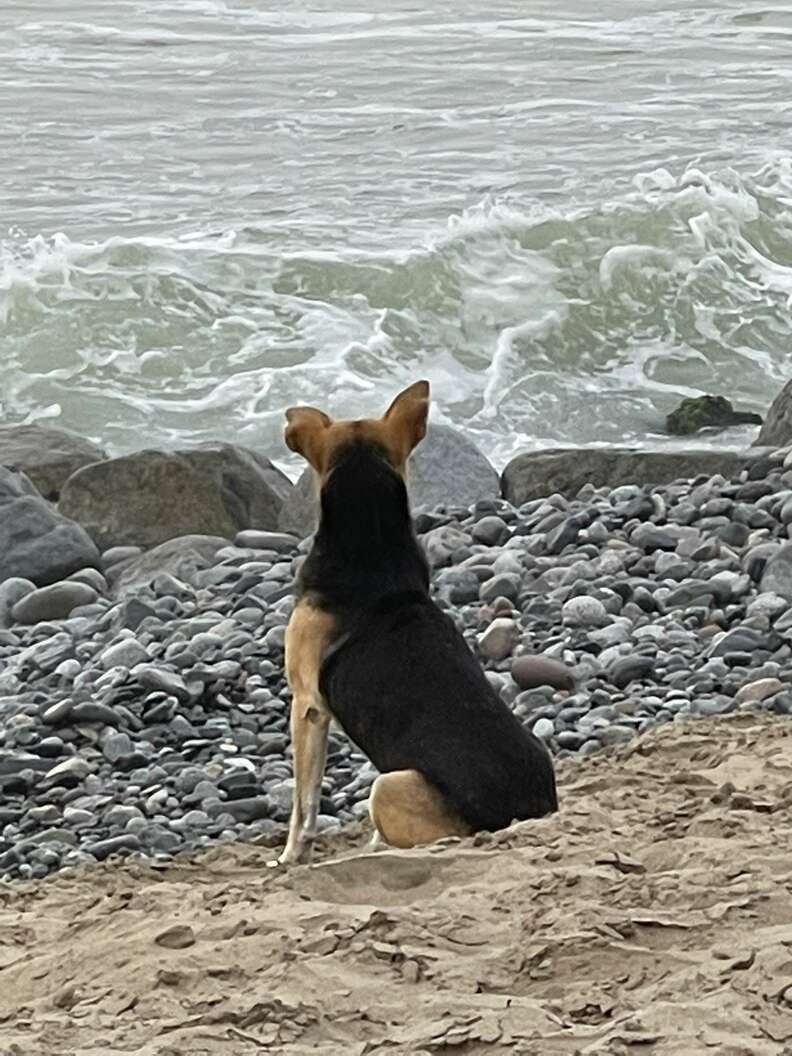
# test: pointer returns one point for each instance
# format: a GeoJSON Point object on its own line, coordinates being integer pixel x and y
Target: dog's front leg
{"type": "Point", "coordinates": [309, 729]}
{"type": "Point", "coordinates": [307, 636]}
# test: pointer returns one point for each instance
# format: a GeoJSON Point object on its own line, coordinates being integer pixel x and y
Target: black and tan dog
{"type": "Point", "coordinates": [367, 646]}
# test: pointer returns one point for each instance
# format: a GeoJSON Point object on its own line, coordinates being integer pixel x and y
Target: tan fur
{"type": "Point", "coordinates": [314, 435]}
{"type": "Point", "coordinates": [308, 634]}
{"type": "Point", "coordinates": [407, 810]}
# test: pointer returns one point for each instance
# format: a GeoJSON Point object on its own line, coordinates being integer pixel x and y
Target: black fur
{"type": "Point", "coordinates": [401, 680]}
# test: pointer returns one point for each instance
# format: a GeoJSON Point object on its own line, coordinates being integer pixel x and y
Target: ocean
{"type": "Point", "coordinates": [566, 216]}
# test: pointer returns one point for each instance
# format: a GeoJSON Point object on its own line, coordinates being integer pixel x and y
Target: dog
{"type": "Point", "coordinates": [367, 646]}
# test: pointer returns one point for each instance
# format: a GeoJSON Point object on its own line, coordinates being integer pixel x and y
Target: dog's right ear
{"type": "Point", "coordinates": [305, 433]}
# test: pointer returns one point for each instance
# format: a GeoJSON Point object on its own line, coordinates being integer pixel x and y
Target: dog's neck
{"type": "Point", "coordinates": [365, 547]}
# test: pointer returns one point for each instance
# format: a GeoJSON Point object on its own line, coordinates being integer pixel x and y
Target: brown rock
{"type": "Point", "coordinates": [532, 671]}
{"type": "Point", "coordinates": [177, 937]}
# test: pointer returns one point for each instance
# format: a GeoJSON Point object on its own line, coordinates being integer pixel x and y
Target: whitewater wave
{"type": "Point", "coordinates": [534, 325]}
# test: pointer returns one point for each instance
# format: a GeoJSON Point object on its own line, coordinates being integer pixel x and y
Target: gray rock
{"type": "Point", "coordinates": [36, 542]}
{"type": "Point", "coordinates": [543, 729]}
{"type": "Point", "coordinates": [146, 498]}
{"type": "Point", "coordinates": [12, 591]}
{"type": "Point", "coordinates": [125, 653]}
{"type": "Point", "coordinates": [459, 585]}
{"type": "Point", "coordinates": [536, 474]}
{"type": "Point", "coordinates": [179, 558]}
{"type": "Point", "coordinates": [117, 746]}
{"type": "Point", "coordinates": [52, 603]}
{"type": "Point", "coordinates": [90, 711]}
{"type": "Point", "coordinates": [124, 844]}
{"type": "Point", "coordinates": [56, 714]}
{"type": "Point", "coordinates": [47, 456]}
{"type": "Point", "coordinates": [442, 543]}
{"type": "Point", "coordinates": [490, 531]}
{"type": "Point", "coordinates": [281, 542]}
{"type": "Point", "coordinates": [584, 611]}
{"type": "Point", "coordinates": [629, 669]}
{"type": "Point", "coordinates": [506, 585]}
{"type": "Point", "coordinates": [777, 575]}
{"type": "Point", "coordinates": [445, 469]}
{"type": "Point", "coordinates": [777, 428]}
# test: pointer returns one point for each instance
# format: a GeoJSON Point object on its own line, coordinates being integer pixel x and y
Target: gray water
{"type": "Point", "coordinates": [566, 215]}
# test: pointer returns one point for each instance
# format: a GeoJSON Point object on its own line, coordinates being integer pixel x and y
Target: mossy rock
{"type": "Point", "coordinates": [707, 412]}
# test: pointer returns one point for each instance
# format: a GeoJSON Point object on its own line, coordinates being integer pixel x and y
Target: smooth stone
{"type": "Point", "coordinates": [584, 611]}
{"type": "Point", "coordinates": [490, 531]}
{"type": "Point", "coordinates": [530, 672]}
{"type": "Point", "coordinates": [505, 585]}
{"type": "Point", "coordinates": [777, 575]}
{"type": "Point", "coordinates": [12, 590]}
{"type": "Point", "coordinates": [629, 669]}
{"type": "Point", "coordinates": [754, 692]}
{"type": "Point", "coordinates": [543, 729]}
{"type": "Point", "coordinates": [94, 712]}
{"type": "Point", "coordinates": [499, 639]}
{"type": "Point", "coordinates": [54, 602]}
{"type": "Point", "coordinates": [126, 653]}
{"type": "Point", "coordinates": [102, 849]}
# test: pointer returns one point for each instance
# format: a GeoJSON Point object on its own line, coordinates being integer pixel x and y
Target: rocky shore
{"type": "Point", "coordinates": [143, 603]}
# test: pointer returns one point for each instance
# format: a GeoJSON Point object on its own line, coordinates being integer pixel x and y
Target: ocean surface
{"type": "Point", "coordinates": [566, 215]}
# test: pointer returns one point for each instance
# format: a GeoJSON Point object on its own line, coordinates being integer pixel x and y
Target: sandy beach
{"type": "Point", "coordinates": [651, 915]}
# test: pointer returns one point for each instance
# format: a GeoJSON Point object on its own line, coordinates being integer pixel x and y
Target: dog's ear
{"type": "Point", "coordinates": [406, 419]}
{"type": "Point", "coordinates": [304, 433]}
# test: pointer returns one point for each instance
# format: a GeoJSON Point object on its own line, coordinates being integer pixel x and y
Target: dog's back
{"type": "Point", "coordinates": [406, 688]}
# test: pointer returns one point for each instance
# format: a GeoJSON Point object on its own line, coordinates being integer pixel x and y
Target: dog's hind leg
{"type": "Point", "coordinates": [407, 810]}
{"type": "Point", "coordinates": [309, 632]}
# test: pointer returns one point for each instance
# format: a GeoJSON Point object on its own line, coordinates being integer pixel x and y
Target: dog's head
{"type": "Point", "coordinates": [314, 435]}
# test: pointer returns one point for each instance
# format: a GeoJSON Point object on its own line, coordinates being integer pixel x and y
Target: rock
{"type": "Point", "coordinates": [117, 746]}
{"type": "Point", "coordinates": [14, 589]}
{"type": "Point", "coordinates": [537, 474]}
{"type": "Point", "coordinates": [91, 711]}
{"type": "Point", "coordinates": [445, 469]}
{"type": "Point", "coordinates": [281, 542]}
{"type": "Point", "coordinates": [125, 653]}
{"type": "Point", "coordinates": [584, 612]}
{"type": "Point", "coordinates": [629, 669]}
{"type": "Point", "coordinates": [757, 691]}
{"type": "Point", "coordinates": [490, 531]}
{"type": "Point", "coordinates": [777, 575]}
{"type": "Point", "coordinates": [123, 844]}
{"type": "Point", "coordinates": [52, 603]}
{"type": "Point", "coordinates": [530, 672]}
{"type": "Point", "coordinates": [181, 558]}
{"type": "Point", "coordinates": [36, 542]}
{"type": "Point", "coordinates": [499, 639]}
{"type": "Point", "coordinates": [146, 498]}
{"type": "Point", "coordinates": [777, 428]}
{"type": "Point", "coordinates": [47, 456]}
{"type": "Point", "coordinates": [707, 412]}
{"type": "Point", "coordinates": [543, 729]}
{"type": "Point", "coordinates": [442, 543]}
{"type": "Point", "coordinates": [177, 937]}
{"type": "Point", "coordinates": [506, 585]}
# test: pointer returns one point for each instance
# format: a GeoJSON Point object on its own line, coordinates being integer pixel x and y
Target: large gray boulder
{"type": "Point", "coordinates": [36, 542]}
{"type": "Point", "coordinates": [537, 474]}
{"type": "Point", "coordinates": [149, 497]}
{"type": "Point", "coordinates": [777, 428]}
{"type": "Point", "coordinates": [180, 558]}
{"type": "Point", "coordinates": [445, 468]}
{"type": "Point", "coordinates": [48, 456]}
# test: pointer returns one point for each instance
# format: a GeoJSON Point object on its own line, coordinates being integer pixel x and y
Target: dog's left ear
{"type": "Point", "coordinates": [406, 418]}
{"type": "Point", "coordinates": [305, 433]}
